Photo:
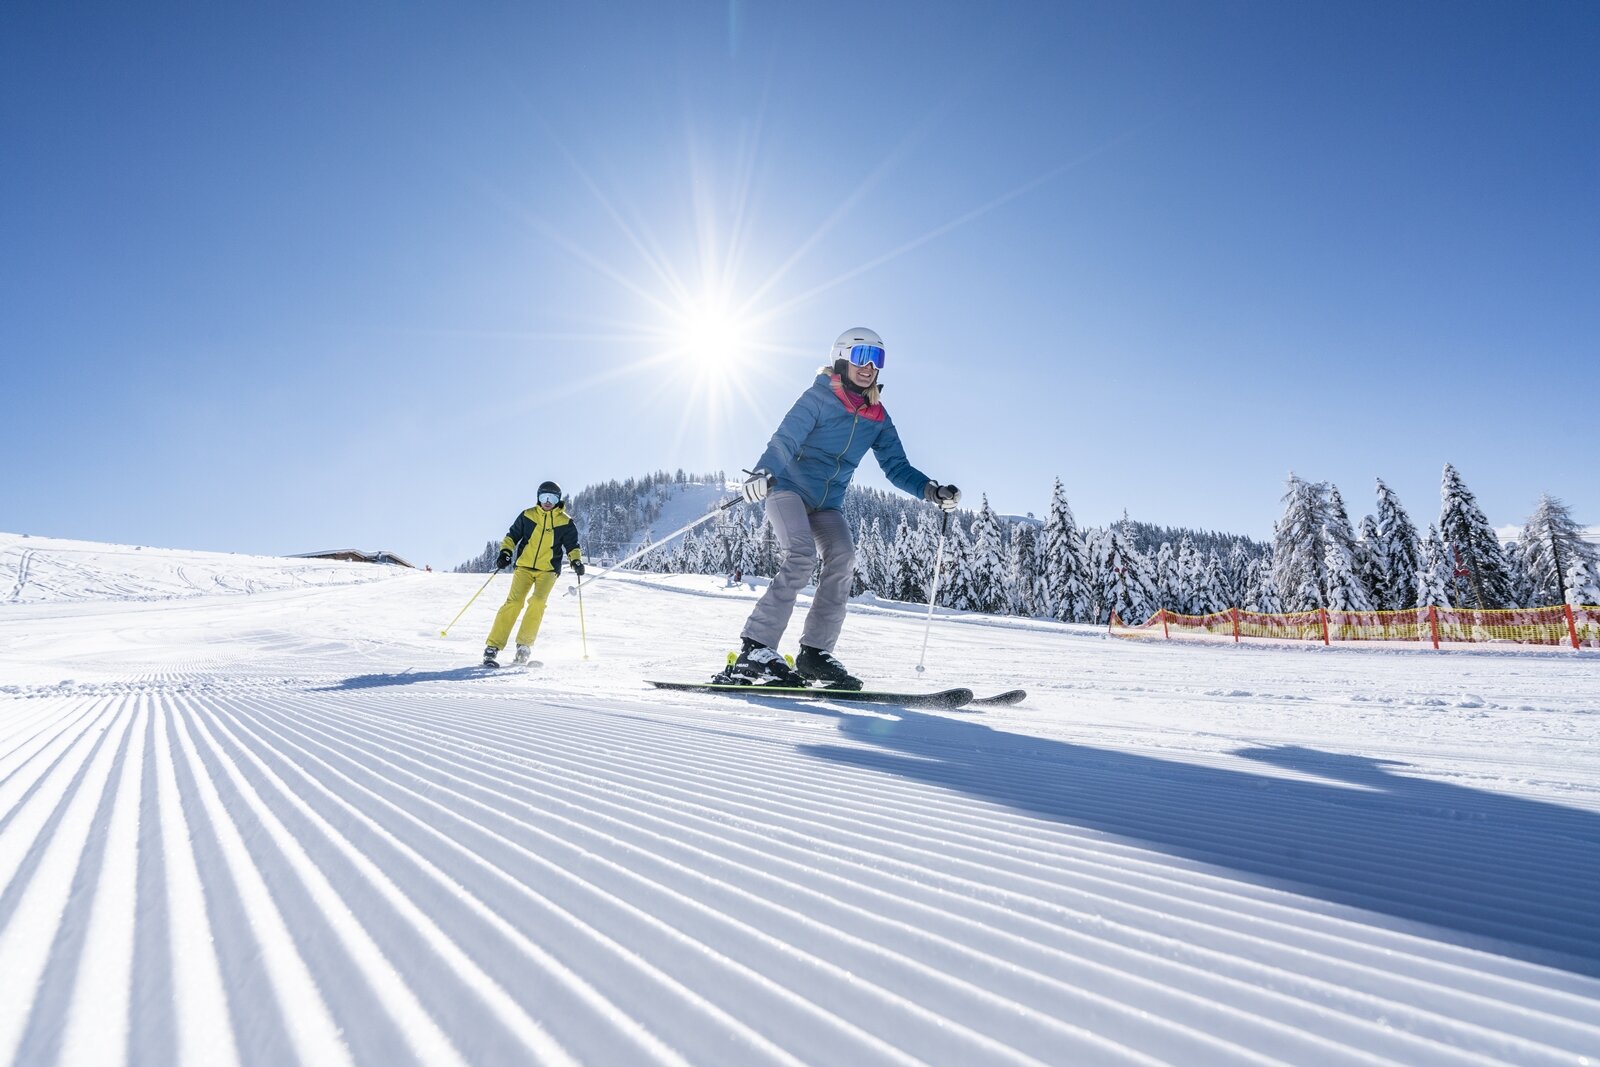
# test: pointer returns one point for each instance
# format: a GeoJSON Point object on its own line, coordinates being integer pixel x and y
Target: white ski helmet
{"type": "Point", "coordinates": [854, 337]}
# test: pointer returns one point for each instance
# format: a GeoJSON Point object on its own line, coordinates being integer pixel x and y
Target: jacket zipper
{"type": "Point", "coordinates": [838, 461]}
{"type": "Point", "coordinates": [535, 564]}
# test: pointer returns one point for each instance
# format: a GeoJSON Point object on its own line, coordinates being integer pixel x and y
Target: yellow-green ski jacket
{"type": "Point", "coordinates": [539, 538]}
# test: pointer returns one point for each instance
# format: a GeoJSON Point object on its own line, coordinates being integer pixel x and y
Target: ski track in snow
{"type": "Point", "coordinates": [297, 827]}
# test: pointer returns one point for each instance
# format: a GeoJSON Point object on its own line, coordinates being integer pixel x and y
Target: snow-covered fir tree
{"type": "Point", "coordinates": [1434, 571]}
{"type": "Point", "coordinates": [1125, 585]}
{"type": "Point", "coordinates": [1063, 591]}
{"type": "Point", "coordinates": [1022, 570]}
{"type": "Point", "coordinates": [1166, 579]}
{"type": "Point", "coordinates": [1338, 534]}
{"type": "Point", "coordinates": [1344, 591]}
{"type": "Point", "coordinates": [1191, 567]}
{"type": "Point", "coordinates": [1233, 576]}
{"type": "Point", "coordinates": [483, 562]}
{"type": "Point", "coordinates": [906, 566]}
{"type": "Point", "coordinates": [1551, 540]}
{"type": "Point", "coordinates": [1261, 590]}
{"type": "Point", "coordinates": [1371, 563]}
{"type": "Point", "coordinates": [955, 573]}
{"type": "Point", "coordinates": [1299, 549]}
{"type": "Point", "coordinates": [1208, 593]}
{"type": "Point", "coordinates": [987, 562]}
{"type": "Point", "coordinates": [1583, 583]}
{"type": "Point", "coordinates": [860, 579]}
{"type": "Point", "coordinates": [1484, 580]}
{"type": "Point", "coordinates": [871, 559]}
{"type": "Point", "coordinates": [1401, 549]}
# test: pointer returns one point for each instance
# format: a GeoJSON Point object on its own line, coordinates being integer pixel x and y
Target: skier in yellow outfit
{"type": "Point", "coordinates": [537, 541]}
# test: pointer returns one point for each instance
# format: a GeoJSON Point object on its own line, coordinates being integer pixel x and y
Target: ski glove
{"type": "Point", "coordinates": [503, 560]}
{"type": "Point", "coordinates": [577, 567]}
{"type": "Point", "coordinates": [755, 487]}
{"type": "Point", "coordinates": [946, 496]}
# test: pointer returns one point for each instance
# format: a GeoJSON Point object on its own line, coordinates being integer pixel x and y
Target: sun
{"type": "Point", "coordinates": [712, 335]}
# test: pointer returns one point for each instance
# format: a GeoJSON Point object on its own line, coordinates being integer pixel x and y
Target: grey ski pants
{"type": "Point", "coordinates": [800, 537]}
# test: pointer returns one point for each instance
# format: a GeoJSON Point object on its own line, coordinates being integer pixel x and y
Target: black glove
{"type": "Point", "coordinates": [946, 496]}
{"type": "Point", "coordinates": [577, 567]}
{"type": "Point", "coordinates": [503, 560]}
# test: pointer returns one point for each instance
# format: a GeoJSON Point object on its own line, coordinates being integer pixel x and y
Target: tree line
{"type": "Point", "coordinates": [1055, 568]}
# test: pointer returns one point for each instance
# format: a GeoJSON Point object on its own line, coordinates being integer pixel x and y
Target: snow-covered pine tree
{"type": "Point", "coordinates": [1583, 583]}
{"type": "Point", "coordinates": [1063, 591]}
{"type": "Point", "coordinates": [860, 581]}
{"type": "Point", "coordinates": [905, 566]}
{"type": "Point", "coordinates": [1371, 563]}
{"type": "Point", "coordinates": [1233, 576]}
{"type": "Point", "coordinates": [987, 563]}
{"type": "Point", "coordinates": [1191, 576]}
{"type": "Point", "coordinates": [1299, 545]}
{"type": "Point", "coordinates": [1338, 533]}
{"type": "Point", "coordinates": [1022, 569]}
{"type": "Point", "coordinates": [1209, 598]}
{"type": "Point", "coordinates": [1164, 575]}
{"type": "Point", "coordinates": [1476, 550]}
{"type": "Point", "coordinates": [955, 575]}
{"type": "Point", "coordinates": [1344, 590]}
{"type": "Point", "coordinates": [647, 560]}
{"type": "Point", "coordinates": [1093, 576]}
{"type": "Point", "coordinates": [1261, 591]}
{"type": "Point", "coordinates": [1551, 540]}
{"type": "Point", "coordinates": [1434, 570]}
{"type": "Point", "coordinates": [1402, 553]}
{"type": "Point", "coordinates": [766, 550]}
{"type": "Point", "coordinates": [878, 566]}
{"type": "Point", "coordinates": [483, 562]}
{"type": "Point", "coordinates": [1126, 586]}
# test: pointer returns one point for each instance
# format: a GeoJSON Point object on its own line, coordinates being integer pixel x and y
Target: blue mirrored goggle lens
{"type": "Point", "coordinates": [861, 355]}
{"type": "Point", "coordinates": [549, 498]}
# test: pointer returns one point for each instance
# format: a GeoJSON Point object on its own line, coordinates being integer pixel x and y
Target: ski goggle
{"type": "Point", "coordinates": [861, 355]}
{"type": "Point", "coordinates": [549, 498]}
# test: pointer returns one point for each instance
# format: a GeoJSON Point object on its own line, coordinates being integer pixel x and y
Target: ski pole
{"type": "Point", "coordinates": [475, 596]}
{"type": "Point", "coordinates": [708, 516]}
{"type": "Point", "coordinates": [583, 630]}
{"type": "Point", "coordinates": [933, 594]}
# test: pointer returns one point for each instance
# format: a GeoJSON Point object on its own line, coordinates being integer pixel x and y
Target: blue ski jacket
{"type": "Point", "coordinates": [825, 435]}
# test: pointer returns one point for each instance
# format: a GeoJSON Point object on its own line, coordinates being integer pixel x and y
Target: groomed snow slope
{"type": "Point", "coordinates": [296, 825]}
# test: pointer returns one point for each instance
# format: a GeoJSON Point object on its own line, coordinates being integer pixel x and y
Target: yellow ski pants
{"type": "Point", "coordinates": [524, 579]}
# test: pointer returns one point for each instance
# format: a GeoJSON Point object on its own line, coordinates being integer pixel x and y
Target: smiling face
{"type": "Point", "coordinates": [862, 376]}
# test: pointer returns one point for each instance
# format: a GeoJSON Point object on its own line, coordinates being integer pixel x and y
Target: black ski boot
{"type": "Point", "coordinates": [760, 665]}
{"type": "Point", "coordinates": [819, 667]}
{"type": "Point", "coordinates": [488, 656]}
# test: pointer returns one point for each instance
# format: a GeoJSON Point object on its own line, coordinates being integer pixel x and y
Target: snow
{"type": "Point", "coordinates": [256, 810]}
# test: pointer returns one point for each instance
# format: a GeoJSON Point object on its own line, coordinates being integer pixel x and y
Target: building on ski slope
{"type": "Point", "coordinates": [356, 555]}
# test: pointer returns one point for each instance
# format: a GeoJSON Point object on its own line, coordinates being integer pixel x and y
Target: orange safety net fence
{"type": "Point", "coordinates": [1577, 627]}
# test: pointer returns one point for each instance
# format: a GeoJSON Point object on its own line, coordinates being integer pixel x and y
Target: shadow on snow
{"type": "Point", "coordinates": [1504, 874]}
{"type": "Point", "coordinates": [374, 681]}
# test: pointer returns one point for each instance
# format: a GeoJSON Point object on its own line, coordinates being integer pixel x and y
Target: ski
{"type": "Point", "coordinates": [946, 699]}
{"type": "Point", "coordinates": [1000, 700]}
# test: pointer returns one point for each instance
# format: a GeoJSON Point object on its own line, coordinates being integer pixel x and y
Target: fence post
{"type": "Point", "coordinates": [1433, 622]}
{"type": "Point", "coordinates": [1235, 613]}
{"type": "Point", "coordinates": [1572, 627]}
{"type": "Point", "coordinates": [1324, 613]}
{"type": "Point", "coordinates": [1165, 636]}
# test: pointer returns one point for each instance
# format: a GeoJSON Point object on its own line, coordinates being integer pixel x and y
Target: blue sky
{"type": "Point", "coordinates": [276, 278]}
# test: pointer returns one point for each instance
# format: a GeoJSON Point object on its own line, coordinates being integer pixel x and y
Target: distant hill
{"type": "Point", "coordinates": [615, 517]}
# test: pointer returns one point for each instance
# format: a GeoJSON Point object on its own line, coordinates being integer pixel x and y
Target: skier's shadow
{"type": "Point", "coordinates": [373, 681]}
{"type": "Point", "coordinates": [1510, 875]}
